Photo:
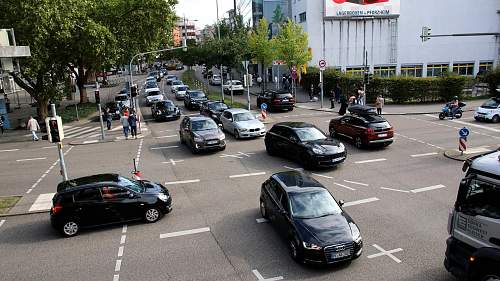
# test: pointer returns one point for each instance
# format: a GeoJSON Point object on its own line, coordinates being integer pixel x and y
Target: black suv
{"type": "Point", "coordinates": [310, 145]}
{"type": "Point", "coordinates": [165, 110]}
{"type": "Point", "coordinates": [194, 98]}
{"type": "Point", "coordinates": [305, 213]}
{"type": "Point", "coordinates": [276, 100]}
{"type": "Point", "coordinates": [213, 109]}
{"type": "Point", "coordinates": [106, 199]}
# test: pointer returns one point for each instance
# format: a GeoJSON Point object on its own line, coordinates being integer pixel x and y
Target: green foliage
{"type": "Point", "coordinates": [68, 114]}
{"type": "Point", "coordinates": [493, 79]}
{"type": "Point", "coordinates": [395, 89]}
{"type": "Point", "coordinates": [278, 16]}
{"type": "Point", "coordinates": [292, 44]}
{"type": "Point", "coordinates": [262, 49]}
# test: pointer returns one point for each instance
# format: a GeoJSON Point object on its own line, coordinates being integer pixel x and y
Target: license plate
{"type": "Point", "coordinates": [382, 135]}
{"type": "Point", "coordinates": [285, 100]}
{"type": "Point", "coordinates": [337, 159]}
{"type": "Point", "coordinates": [342, 254]}
{"type": "Point", "coordinates": [212, 142]}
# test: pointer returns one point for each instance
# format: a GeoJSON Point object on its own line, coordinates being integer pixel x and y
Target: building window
{"type": "Point", "coordinates": [302, 17]}
{"type": "Point", "coordinates": [435, 70]}
{"type": "Point", "coordinates": [464, 69]}
{"type": "Point", "coordinates": [412, 70]}
{"type": "Point", "coordinates": [485, 66]}
{"type": "Point", "coordinates": [384, 71]}
{"type": "Point", "coordinates": [355, 71]}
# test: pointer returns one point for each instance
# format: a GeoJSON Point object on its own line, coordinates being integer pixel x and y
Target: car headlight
{"type": "Point", "coordinates": [318, 150]}
{"type": "Point", "coordinates": [214, 116]}
{"type": "Point", "coordinates": [163, 197]}
{"type": "Point", "coordinates": [222, 137]}
{"type": "Point", "coordinates": [243, 130]}
{"type": "Point", "coordinates": [198, 139]}
{"type": "Point", "coordinates": [356, 235]}
{"type": "Point", "coordinates": [311, 246]}
{"type": "Point", "coordinates": [158, 112]}
{"type": "Point", "coordinates": [341, 146]}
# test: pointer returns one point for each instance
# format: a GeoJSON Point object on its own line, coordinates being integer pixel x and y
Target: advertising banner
{"type": "Point", "coordinates": [362, 8]}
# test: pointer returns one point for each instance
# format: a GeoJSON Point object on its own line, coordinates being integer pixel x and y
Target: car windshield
{"type": "Point", "coordinates": [121, 98]}
{"type": "Point", "coordinates": [165, 104]}
{"type": "Point", "coordinates": [309, 205]}
{"type": "Point", "coordinates": [491, 104]}
{"type": "Point", "coordinates": [219, 106]}
{"type": "Point", "coordinates": [154, 93]}
{"type": "Point", "coordinates": [310, 134]}
{"type": "Point", "coordinates": [482, 199]}
{"type": "Point", "coordinates": [171, 77]}
{"type": "Point", "coordinates": [216, 77]}
{"type": "Point", "coordinates": [131, 184]}
{"type": "Point", "coordinates": [247, 116]}
{"type": "Point", "coordinates": [204, 125]}
{"type": "Point", "coordinates": [151, 85]}
{"type": "Point", "coordinates": [182, 88]}
{"type": "Point", "coordinates": [177, 82]}
{"type": "Point", "coordinates": [197, 94]}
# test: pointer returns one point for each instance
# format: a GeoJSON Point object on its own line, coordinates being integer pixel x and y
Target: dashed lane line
{"type": "Point", "coordinates": [184, 232]}
{"type": "Point", "coordinates": [322, 176]}
{"type": "Point", "coordinates": [363, 201]}
{"type": "Point", "coordinates": [2, 222]}
{"type": "Point", "coordinates": [418, 190]}
{"type": "Point", "coordinates": [358, 183]}
{"type": "Point", "coordinates": [9, 150]}
{"type": "Point", "coordinates": [370, 161]}
{"type": "Point", "coordinates": [164, 147]}
{"type": "Point", "coordinates": [397, 190]}
{"type": "Point", "coordinates": [344, 186]}
{"type": "Point", "coordinates": [469, 124]}
{"type": "Point", "coordinates": [423, 154]}
{"type": "Point", "coordinates": [247, 175]}
{"type": "Point", "coordinates": [31, 159]}
{"type": "Point", "coordinates": [261, 220]}
{"type": "Point", "coordinates": [182, 182]}
{"type": "Point", "coordinates": [121, 249]}
{"type": "Point", "coordinates": [46, 172]}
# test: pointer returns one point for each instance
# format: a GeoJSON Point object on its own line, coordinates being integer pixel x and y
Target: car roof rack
{"type": "Point", "coordinates": [362, 110]}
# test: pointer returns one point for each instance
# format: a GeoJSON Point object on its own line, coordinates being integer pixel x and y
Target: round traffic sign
{"type": "Point", "coordinates": [263, 106]}
{"type": "Point", "coordinates": [294, 68]}
{"type": "Point", "coordinates": [464, 132]}
{"type": "Point", "coordinates": [322, 63]}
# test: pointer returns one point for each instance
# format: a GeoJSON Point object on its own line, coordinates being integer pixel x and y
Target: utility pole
{"type": "Point", "coordinates": [221, 74]}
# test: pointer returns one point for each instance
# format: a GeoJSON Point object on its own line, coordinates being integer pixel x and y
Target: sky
{"type": "Point", "coordinates": [202, 10]}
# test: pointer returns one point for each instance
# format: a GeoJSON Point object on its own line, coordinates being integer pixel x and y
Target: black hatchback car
{"type": "Point", "coordinates": [165, 110]}
{"type": "Point", "coordinates": [305, 213]}
{"type": "Point", "coordinates": [308, 144]}
{"type": "Point", "coordinates": [194, 98]}
{"type": "Point", "coordinates": [106, 199]}
{"type": "Point", "coordinates": [276, 100]}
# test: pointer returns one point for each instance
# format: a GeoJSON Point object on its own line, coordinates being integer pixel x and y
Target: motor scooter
{"type": "Point", "coordinates": [446, 111]}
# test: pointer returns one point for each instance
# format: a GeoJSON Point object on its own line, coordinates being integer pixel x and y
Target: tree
{"type": "Point", "coordinates": [292, 45]}
{"type": "Point", "coordinates": [262, 49]}
{"type": "Point", "coordinates": [278, 16]}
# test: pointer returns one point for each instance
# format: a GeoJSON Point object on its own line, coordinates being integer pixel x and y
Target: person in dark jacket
{"type": "Point", "coordinates": [343, 105]}
{"type": "Point", "coordinates": [107, 117]}
{"type": "Point", "coordinates": [132, 120]}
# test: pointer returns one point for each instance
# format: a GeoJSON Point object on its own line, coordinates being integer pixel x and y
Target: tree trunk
{"type": "Point", "coordinates": [42, 109]}
{"type": "Point", "coordinates": [80, 81]}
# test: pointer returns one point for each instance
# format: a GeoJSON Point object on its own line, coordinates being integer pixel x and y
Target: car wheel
{"type": "Point", "coordinates": [269, 149]}
{"type": "Point", "coordinates": [458, 115]}
{"type": "Point", "coordinates": [263, 209]}
{"type": "Point", "coordinates": [358, 142]}
{"type": "Point", "coordinates": [193, 148]}
{"type": "Point", "coordinates": [152, 215]}
{"type": "Point", "coordinates": [441, 116]}
{"type": "Point", "coordinates": [333, 134]}
{"type": "Point", "coordinates": [291, 109]}
{"type": "Point", "coordinates": [70, 228]}
{"type": "Point", "coordinates": [223, 148]}
{"type": "Point", "coordinates": [491, 277]}
{"type": "Point", "coordinates": [236, 134]}
{"type": "Point", "coordinates": [495, 119]}
{"type": "Point", "coordinates": [182, 139]}
{"type": "Point", "coordinates": [295, 251]}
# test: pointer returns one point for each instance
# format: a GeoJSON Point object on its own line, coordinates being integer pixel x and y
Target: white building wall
{"type": "Point", "coordinates": [397, 41]}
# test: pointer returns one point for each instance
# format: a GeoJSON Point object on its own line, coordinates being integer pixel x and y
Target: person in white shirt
{"type": "Point", "coordinates": [361, 96]}
{"type": "Point", "coordinates": [33, 127]}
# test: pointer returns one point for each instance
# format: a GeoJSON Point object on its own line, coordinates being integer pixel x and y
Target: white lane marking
{"type": "Point", "coordinates": [31, 159]}
{"type": "Point", "coordinates": [75, 129]}
{"type": "Point", "coordinates": [2, 222]}
{"type": "Point", "coordinates": [139, 150]}
{"type": "Point", "coordinates": [9, 150]}
{"type": "Point", "coordinates": [427, 188]}
{"type": "Point", "coordinates": [476, 150]}
{"type": "Point", "coordinates": [386, 253]}
{"type": "Point", "coordinates": [124, 229]}
{"type": "Point", "coordinates": [424, 154]}
{"type": "Point", "coordinates": [344, 186]}
{"type": "Point", "coordinates": [47, 147]}
{"type": "Point", "coordinates": [358, 183]}
{"type": "Point", "coordinates": [238, 155]}
{"type": "Point", "coordinates": [262, 220]}
{"type": "Point", "coordinates": [91, 141]}
{"type": "Point", "coordinates": [116, 277]}
{"type": "Point", "coordinates": [398, 190]}
{"type": "Point", "coordinates": [182, 182]}
{"type": "Point", "coordinates": [173, 162]}
{"type": "Point", "coordinates": [42, 203]}
{"type": "Point", "coordinates": [184, 232]}
{"type": "Point", "coordinates": [116, 128]}
{"type": "Point", "coordinates": [164, 131]}
{"type": "Point", "coordinates": [247, 175]}
{"type": "Point", "coordinates": [323, 176]}
{"type": "Point", "coordinates": [89, 131]}
{"type": "Point", "coordinates": [120, 251]}
{"type": "Point", "coordinates": [469, 124]}
{"type": "Point", "coordinates": [164, 147]}
{"type": "Point", "coordinates": [29, 191]}
{"type": "Point", "coordinates": [123, 239]}
{"type": "Point", "coordinates": [90, 136]}
{"type": "Point", "coordinates": [296, 169]}
{"type": "Point", "coordinates": [164, 137]}
{"type": "Point", "coordinates": [261, 278]}
{"type": "Point", "coordinates": [363, 201]}
{"type": "Point", "coordinates": [118, 265]}
{"type": "Point", "coordinates": [370, 161]}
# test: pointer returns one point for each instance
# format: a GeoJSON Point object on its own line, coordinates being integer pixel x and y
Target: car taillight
{"type": "Point", "coordinates": [370, 131]}
{"type": "Point", "coordinates": [56, 209]}
{"type": "Point", "coordinates": [292, 100]}
{"type": "Point", "coordinates": [276, 101]}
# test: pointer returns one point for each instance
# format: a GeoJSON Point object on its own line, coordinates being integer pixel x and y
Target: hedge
{"type": "Point", "coordinates": [396, 89]}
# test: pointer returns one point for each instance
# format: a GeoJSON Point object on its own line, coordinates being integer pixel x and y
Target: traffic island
{"type": "Point", "coordinates": [457, 155]}
{"type": "Point", "coordinates": [8, 202]}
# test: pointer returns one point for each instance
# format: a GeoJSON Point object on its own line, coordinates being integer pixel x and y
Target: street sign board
{"type": "Point", "coordinates": [294, 68]}
{"type": "Point", "coordinates": [263, 106]}
{"type": "Point", "coordinates": [294, 75]}
{"type": "Point", "coordinates": [322, 63]}
{"type": "Point", "coordinates": [464, 132]}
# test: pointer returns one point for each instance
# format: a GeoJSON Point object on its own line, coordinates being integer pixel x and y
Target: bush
{"type": "Point", "coordinates": [493, 79]}
{"type": "Point", "coordinates": [396, 89]}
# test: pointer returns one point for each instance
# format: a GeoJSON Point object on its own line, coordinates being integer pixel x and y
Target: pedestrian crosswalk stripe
{"type": "Point", "coordinates": [88, 131]}
{"type": "Point", "coordinates": [74, 129]}
{"type": "Point", "coordinates": [42, 203]}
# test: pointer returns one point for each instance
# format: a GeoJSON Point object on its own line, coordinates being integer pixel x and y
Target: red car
{"type": "Point", "coordinates": [361, 2]}
{"type": "Point", "coordinates": [363, 127]}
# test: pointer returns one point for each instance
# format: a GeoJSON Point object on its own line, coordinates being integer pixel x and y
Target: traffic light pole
{"type": "Point", "coordinates": [99, 109]}
{"type": "Point", "coordinates": [59, 149]}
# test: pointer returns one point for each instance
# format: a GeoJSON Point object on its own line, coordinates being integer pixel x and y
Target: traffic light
{"type": "Point", "coordinates": [54, 129]}
{"type": "Point", "coordinates": [426, 33]}
{"type": "Point", "coordinates": [97, 96]}
{"type": "Point", "coordinates": [133, 91]}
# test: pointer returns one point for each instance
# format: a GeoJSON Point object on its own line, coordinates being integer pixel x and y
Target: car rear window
{"type": "Point", "coordinates": [155, 93]}
{"type": "Point", "coordinates": [121, 98]}
{"type": "Point", "coordinates": [181, 89]}
{"type": "Point", "coordinates": [284, 96]}
{"type": "Point", "coordinates": [197, 94]}
{"type": "Point", "coordinates": [218, 106]}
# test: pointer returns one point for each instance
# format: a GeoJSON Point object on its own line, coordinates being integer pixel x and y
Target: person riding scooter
{"type": "Point", "coordinates": [454, 105]}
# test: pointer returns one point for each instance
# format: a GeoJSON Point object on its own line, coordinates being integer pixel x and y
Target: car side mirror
{"type": "Point", "coordinates": [131, 195]}
{"type": "Point", "coordinates": [230, 119]}
{"type": "Point", "coordinates": [283, 212]}
{"type": "Point", "coordinates": [341, 203]}
{"type": "Point", "coordinates": [220, 125]}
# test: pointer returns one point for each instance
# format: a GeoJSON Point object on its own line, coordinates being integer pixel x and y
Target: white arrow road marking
{"type": "Point", "coordinates": [261, 278]}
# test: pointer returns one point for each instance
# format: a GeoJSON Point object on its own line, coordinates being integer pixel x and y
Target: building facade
{"type": "Point", "coordinates": [386, 38]}
{"type": "Point", "coordinates": [269, 8]}
{"type": "Point", "coordinates": [187, 28]}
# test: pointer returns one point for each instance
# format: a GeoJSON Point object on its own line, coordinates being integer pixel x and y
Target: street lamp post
{"type": "Point", "coordinates": [221, 72]}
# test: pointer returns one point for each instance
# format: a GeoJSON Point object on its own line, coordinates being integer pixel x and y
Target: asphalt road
{"type": "Point", "coordinates": [223, 239]}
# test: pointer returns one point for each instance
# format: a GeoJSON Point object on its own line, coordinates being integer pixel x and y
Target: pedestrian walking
{"type": "Point", "coordinates": [343, 105]}
{"type": "Point", "coordinates": [332, 98]}
{"type": "Point", "coordinates": [353, 100]}
{"type": "Point", "coordinates": [132, 121]}
{"type": "Point", "coordinates": [126, 112]}
{"type": "Point", "coordinates": [33, 127]}
{"type": "Point", "coordinates": [338, 93]}
{"type": "Point", "coordinates": [311, 92]}
{"type": "Point", "coordinates": [361, 96]}
{"type": "Point", "coordinates": [379, 104]}
{"type": "Point", "coordinates": [2, 120]}
{"type": "Point", "coordinates": [259, 80]}
{"type": "Point", "coordinates": [107, 117]}
{"type": "Point", "coordinates": [126, 125]}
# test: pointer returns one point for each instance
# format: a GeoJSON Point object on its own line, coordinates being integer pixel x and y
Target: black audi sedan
{"type": "Point", "coordinates": [194, 98]}
{"type": "Point", "coordinates": [304, 143]}
{"type": "Point", "coordinates": [213, 109]}
{"type": "Point", "coordinates": [165, 110]}
{"type": "Point", "coordinates": [305, 213]}
{"type": "Point", "coordinates": [201, 133]}
{"type": "Point", "coordinates": [106, 199]}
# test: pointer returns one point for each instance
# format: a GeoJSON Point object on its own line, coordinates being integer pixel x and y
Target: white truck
{"type": "Point", "coordinates": [473, 248]}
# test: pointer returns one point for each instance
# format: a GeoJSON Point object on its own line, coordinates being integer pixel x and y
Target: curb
{"type": "Point", "coordinates": [386, 114]}
{"type": "Point", "coordinates": [455, 155]}
{"type": "Point", "coordinates": [90, 142]}
{"type": "Point", "coordinates": [23, 214]}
